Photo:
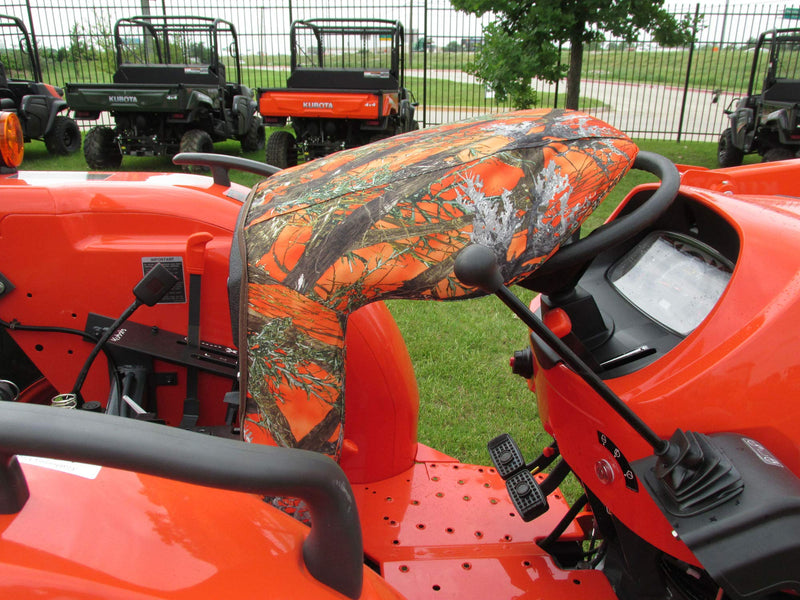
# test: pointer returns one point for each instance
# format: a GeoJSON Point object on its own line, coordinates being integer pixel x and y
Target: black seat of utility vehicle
{"type": "Point", "coordinates": [342, 79]}
{"type": "Point", "coordinates": [782, 91]}
{"type": "Point", "coordinates": [171, 74]}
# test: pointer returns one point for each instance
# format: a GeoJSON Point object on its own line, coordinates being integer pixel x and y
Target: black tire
{"type": "Point", "coordinates": [281, 150]}
{"type": "Point", "coordinates": [375, 138]}
{"type": "Point", "coordinates": [777, 153]}
{"type": "Point", "coordinates": [728, 155]}
{"type": "Point", "coordinates": [196, 140]}
{"type": "Point", "coordinates": [101, 150]}
{"type": "Point", "coordinates": [64, 137]}
{"type": "Point", "coordinates": [254, 139]}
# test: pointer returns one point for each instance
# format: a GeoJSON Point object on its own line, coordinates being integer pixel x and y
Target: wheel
{"type": "Point", "coordinates": [728, 155]}
{"type": "Point", "coordinates": [777, 153]}
{"type": "Point", "coordinates": [375, 138]}
{"type": "Point", "coordinates": [196, 140]}
{"type": "Point", "coordinates": [575, 256]}
{"type": "Point", "coordinates": [64, 136]}
{"type": "Point", "coordinates": [254, 138]}
{"type": "Point", "coordinates": [101, 150]}
{"type": "Point", "coordinates": [281, 150]}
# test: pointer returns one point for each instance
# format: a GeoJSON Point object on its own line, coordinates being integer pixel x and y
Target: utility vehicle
{"type": "Point", "coordinates": [767, 119]}
{"type": "Point", "coordinates": [660, 352]}
{"type": "Point", "coordinates": [42, 110]}
{"type": "Point", "coordinates": [346, 88]}
{"type": "Point", "coordinates": [177, 87]}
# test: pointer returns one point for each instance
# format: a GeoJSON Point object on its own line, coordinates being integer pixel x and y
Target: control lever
{"type": "Point", "coordinates": [152, 288]}
{"type": "Point", "coordinates": [686, 465]}
{"type": "Point", "coordinates": [9, 391]}
{"type": "Point", "coordinates": [476, 266]}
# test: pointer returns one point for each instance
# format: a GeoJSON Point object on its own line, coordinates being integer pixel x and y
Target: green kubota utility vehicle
{"type": "Point", "coordinates": [41, 107]}
{"type": "Point", "coordinates": [171, 92]}
{"type": "Point", "coordinates": [767, 122]}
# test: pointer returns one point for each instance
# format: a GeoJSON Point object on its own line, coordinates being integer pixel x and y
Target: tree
{"type": "Point", "coordinates": [78, 49]}
{"type": "Point", "coordinates": [524, 42]}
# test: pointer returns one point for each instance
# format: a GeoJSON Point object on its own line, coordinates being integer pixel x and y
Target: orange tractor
{"type": "Point", "coordinates": [257, 361]}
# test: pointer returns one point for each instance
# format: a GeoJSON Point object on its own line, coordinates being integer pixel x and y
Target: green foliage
{"type": "Point", "coordinates": [78, 49]}
{"type": "Point", "coordinates": [17, 63]}
{"type": "Point", "coordinates": [102, 34]}
{"type": "Point", "coordinates": [524, 40]}
{"type": "Point", "coordinates": [507, 63]}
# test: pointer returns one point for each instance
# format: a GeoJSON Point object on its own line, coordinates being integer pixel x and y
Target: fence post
{"type": "Point", "coordinates": [409, 48]}
{"type": "Point", "coordinates": [37, 66]}
{"type": "Point", "coordinates": [425, 65]}
{"type": "Point", "coordinates": [688, 72]}
{"type": "Point", "coordinates": [555, 95]}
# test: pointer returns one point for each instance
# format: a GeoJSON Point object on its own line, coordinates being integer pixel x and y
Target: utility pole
{"type": "Point", "coordinates": [724, 23]}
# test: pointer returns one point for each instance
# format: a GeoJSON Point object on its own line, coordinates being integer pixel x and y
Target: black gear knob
{"type": "Point", "coordinates": [476, 266]}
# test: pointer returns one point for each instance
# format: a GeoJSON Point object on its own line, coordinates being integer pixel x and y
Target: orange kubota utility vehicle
{"type": "Point", "coordinates": [43, 113]}
{"type": "Point", "coordinates": [256, 361]}
{"type": "Point", "coordinates": [346, 88]}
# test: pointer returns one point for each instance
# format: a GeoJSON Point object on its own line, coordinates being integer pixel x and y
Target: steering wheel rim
{"type": "Point", "coordinates": [625, 227]}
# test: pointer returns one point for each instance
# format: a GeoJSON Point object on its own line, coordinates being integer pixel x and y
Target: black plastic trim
{"type": "Point", "coordinates": [220, 164]}
{"type": "Point", "coordinates": [748, 542]}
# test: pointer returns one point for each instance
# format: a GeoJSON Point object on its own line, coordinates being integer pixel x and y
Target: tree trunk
{"type": "Point", "coordinates": [575, 67]}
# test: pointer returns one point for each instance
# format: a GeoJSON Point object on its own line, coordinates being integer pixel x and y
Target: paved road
{"type": "Point", "coordinates": [638, 109]}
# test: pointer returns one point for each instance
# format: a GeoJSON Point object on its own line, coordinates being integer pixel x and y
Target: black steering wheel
{"type": "Point", "coordinates": [574, 256]}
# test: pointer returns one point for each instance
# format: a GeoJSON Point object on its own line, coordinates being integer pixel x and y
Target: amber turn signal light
{"type": "Point", "coordinates": [12, 144]}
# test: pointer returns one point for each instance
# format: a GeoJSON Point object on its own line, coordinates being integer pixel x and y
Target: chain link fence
{"type": "Point", "coordinates": [641, 88]}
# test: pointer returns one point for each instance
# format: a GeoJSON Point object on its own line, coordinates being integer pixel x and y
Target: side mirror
{"type": "Point", "coordinates": [732, 106]}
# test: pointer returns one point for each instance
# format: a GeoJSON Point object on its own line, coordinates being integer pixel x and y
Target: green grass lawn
{"type": "Point", "coordinates": [37, 158]}
{"type": "Point", "coordinates": [460, 350]}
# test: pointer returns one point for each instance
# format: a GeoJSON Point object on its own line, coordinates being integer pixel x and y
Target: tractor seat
{"type": "Point", "coordinates": [387, 220]}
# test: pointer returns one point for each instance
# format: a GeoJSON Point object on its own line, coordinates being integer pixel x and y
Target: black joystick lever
{"type": "Point", "coordinates": [476, 266]}
{"type": "Point", "coordinates": [149, 291]}
{"type": "Point", "coordinates": [690, 474]}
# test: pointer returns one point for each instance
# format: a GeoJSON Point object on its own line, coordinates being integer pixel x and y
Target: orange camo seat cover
{"type": "Point", "coordinates": [387, 220]}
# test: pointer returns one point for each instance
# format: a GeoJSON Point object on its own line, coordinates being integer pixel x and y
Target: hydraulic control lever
{"type": "Point", "coordinates": [476, 266]}
{"type": "Point", "coordinates": [152, 288]}
{"type": "Point", "coordinates": [690, 467]}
